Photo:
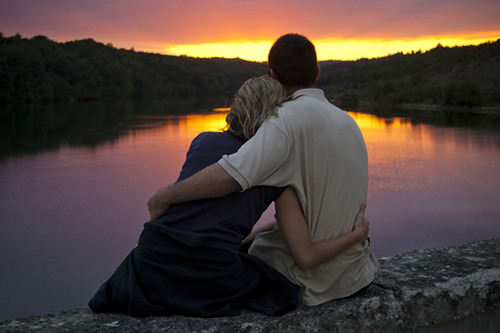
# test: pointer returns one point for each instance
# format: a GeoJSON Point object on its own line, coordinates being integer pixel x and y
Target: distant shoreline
{"type": "Point", "coordinates": [447, 108]}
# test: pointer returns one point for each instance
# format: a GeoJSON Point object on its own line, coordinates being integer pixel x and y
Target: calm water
{"type": "Point", "coordinates": [75, 181]}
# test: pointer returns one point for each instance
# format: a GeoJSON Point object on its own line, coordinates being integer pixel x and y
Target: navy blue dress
{"type": "Point", "coordinates": [187, 261]}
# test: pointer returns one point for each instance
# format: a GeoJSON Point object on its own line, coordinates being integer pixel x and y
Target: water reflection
{"type": "Point", "coordinates": [74, 190]}
{"type": "Point", "coordinates": [31, 129]}
{"type": "Point", "coordinates": [431, 185]}
{"type": "Point", "coordinates": [69, 214]}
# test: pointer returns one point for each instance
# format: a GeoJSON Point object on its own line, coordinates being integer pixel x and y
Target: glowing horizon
{"type": "Point", "coordinates": [341, 30]}
{"type": "Point", "coordinates": [327, 49]}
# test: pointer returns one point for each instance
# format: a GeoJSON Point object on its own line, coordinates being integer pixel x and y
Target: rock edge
{"type": "Point", "coordinates": [412, 291]}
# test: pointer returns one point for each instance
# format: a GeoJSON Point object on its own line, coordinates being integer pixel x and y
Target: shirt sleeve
{"type": "Point", "coordinates": [260, 158]}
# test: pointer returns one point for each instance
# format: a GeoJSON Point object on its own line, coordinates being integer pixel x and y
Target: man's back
{"type": "Point", "coordinates": [318, 149]}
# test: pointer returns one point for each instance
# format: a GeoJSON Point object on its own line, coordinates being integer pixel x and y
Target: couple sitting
{"type": "Point", "coordinates": [285, 143]}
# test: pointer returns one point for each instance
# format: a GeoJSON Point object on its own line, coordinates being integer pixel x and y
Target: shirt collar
{"type": "Point", "coordinates": [312, 92]}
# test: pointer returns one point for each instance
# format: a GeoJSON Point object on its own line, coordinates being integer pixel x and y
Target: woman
{"type": "Point", "coordinates": [187, 261]}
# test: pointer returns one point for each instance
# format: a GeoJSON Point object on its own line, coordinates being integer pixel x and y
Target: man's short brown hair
{"type": "Point", "coordinates": [293, 60]}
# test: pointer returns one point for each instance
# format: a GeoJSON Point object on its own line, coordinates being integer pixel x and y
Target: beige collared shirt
{"type": "Point", "coordinates": [319, 150]}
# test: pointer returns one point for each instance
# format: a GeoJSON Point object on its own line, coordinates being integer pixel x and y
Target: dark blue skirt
{"type": "Point", "coordinates": [162, 276]}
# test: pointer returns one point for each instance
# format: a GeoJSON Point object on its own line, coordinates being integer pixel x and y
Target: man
{"type": "Point", "coordinates": [313, 147]}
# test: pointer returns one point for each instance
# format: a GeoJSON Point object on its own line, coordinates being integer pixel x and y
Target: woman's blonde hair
{"type": "Point", "coordinates": [256, 100]}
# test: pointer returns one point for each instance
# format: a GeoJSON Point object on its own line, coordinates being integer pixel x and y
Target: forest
{"type": "Point", "coordinates": [39, 70]}
{"type": "Point", "coordinates": [465, 76]}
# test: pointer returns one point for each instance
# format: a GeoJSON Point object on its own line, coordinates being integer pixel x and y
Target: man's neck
{"type": "Point", "coordinates": [291, 91]}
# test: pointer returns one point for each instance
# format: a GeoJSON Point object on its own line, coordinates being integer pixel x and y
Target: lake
{"type": "Point", "coordinates": [75, 181]}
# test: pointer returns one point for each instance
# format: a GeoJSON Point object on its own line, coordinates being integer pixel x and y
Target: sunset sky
{"type": "Point", "coordinates": [341, 30]}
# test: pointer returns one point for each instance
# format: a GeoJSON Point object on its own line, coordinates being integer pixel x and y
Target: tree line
{"type": "Point", "coordinates": [451, 76]}
{"type": "Point", "coordinates": [39, 70]}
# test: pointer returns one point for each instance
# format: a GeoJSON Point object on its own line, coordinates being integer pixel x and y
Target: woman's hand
{"type": "Point", "coordinates": [361, 224]}
{"type": "Point", "coordinates": [257, 230]}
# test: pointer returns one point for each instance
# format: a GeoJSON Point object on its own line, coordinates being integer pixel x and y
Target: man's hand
{"type": "Point", "coordinates": [158, 203]}
{"type": "Point", "coordinates": [211, 182]}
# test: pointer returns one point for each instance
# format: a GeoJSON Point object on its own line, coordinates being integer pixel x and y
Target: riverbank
{"type": "Point", "coordinates": [457, 109]}
{"type": "Point", "coordinates": [449, 289]}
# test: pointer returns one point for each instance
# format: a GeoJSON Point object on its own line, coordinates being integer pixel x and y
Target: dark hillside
{"type": "Point", "coordinates": [39, 70]}
{"type": "Point", "coordinates": [457, 76]}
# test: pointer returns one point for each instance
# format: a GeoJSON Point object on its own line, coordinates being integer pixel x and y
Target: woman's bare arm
{"type": "Point", "coordinates": [306, 253]}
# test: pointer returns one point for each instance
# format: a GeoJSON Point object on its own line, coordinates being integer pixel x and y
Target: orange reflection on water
{"type": "Point", "coordinates": [206, 122]}
{"type": "Point", "coordinates": [370, 121]}
{"type": "Point", "coordinates": [190, 126]}
{"type": "Point", "coordinates": [183, 129]}
{"type": "Point", "coordinates": [400, 153]}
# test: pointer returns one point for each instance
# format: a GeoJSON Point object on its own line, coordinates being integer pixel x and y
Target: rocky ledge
{"type": "Point", "coordinates": [420, 291]}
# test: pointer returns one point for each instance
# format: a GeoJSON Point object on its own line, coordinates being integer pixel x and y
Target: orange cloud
{"type": "Point", "coordinates": [232, 26]}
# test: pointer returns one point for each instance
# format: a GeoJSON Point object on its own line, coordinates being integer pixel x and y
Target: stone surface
{"type": "Point", "coordinates": [415, 291]}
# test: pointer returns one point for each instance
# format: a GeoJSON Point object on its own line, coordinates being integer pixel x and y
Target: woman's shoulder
{"type": "Point", "coordinates": [207, 148]}
{"type": "Point", "coordinates": [209, 135]}
{"type": "Point", "coordinates": [216, 138]}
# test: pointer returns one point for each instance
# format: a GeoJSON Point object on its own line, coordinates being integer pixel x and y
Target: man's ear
{"type": "Point", "coordinates": [319, 72]}
{"type": "Point", "coordinates": [272, 74]}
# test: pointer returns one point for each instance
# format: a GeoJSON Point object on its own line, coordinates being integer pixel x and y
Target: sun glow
{"type": "Point", "coordinates": [253, 51]}
{"type": "Point", "coordinates": [329, 49]}
{"type": "Point", "coordinates": [340, 49]}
